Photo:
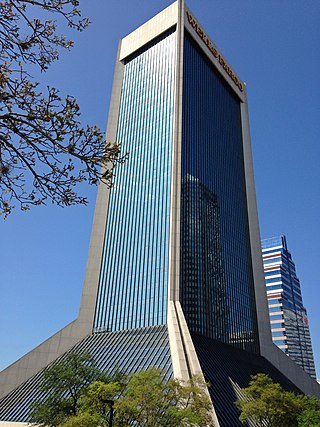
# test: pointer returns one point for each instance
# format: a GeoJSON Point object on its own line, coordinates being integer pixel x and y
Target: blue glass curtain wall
{"type": "Point", "coordinates": [217, 290]}
{"type": "Point", "coordinates": [297, 341]}
{"type": "Point", "coordinates": [295, 316]}
{"type": "Point", "coordinates": [134, 273]}
{"type": "Point", "coordinates": [125, 351]}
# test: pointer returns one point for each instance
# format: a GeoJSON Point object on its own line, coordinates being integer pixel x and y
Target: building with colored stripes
{"type": "Point", "coordinates": [288, 317]}
{"type": "Point", "coordinates": [174, 277]}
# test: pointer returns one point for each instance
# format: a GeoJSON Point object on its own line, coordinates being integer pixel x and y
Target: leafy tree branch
{"type": "Point", "coordinates": [266, 404]}
{"type": "Point", "coordinates": [80, 396]}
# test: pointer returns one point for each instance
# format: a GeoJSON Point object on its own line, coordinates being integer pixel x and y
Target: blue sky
{"type": "Point", "coordinates": [273, 46]}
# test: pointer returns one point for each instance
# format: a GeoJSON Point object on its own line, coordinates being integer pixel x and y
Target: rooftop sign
{"type": "Point", "coordinates": [214, 51]}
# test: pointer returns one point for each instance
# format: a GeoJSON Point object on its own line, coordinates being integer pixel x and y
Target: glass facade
{"type": "Point", "coordinates": [134, 274]}
{"type": "Point", "coordinates": [216, 283]}
{"type": "Point", "coordinates": [125, 351]}
{"type": "Point", "coordinates": [217, 290]}
{"type": "Point", "coordinates": [229, 369]}
{"type": "Point", "coordinates": [292, 335]}
{"type": "Point", "coordinates": [130, 331]}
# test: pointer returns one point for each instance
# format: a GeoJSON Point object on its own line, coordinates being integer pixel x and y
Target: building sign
{"type": "Point", "coordinates": [214, 51]}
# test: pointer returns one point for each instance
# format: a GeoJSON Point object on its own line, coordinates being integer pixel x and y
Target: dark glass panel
{"type": "Point", "coordinates": [217, 291]}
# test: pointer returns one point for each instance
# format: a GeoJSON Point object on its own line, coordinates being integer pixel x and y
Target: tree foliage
{"type": "Point", "coordinates": [63, 382]}
{"type": "Point", "coordinates": [149, 400]}
{"type": "Point", "coordinates": [268, 405]}
{"type": "Point", "coordinates": [309, 418]}
{"type": "Point", "coordinates": [97, 397]}
{"type": "Point", "coordinates": [44, 150]}
{"type": "Point", "coordinates": [310, 412]}
{"type": "Point", "coordinates": [85, 420]}
{"type": "Point", "coordinates": [82, 396]}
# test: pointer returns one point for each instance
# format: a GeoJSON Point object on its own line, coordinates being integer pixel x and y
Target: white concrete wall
{"type": "Point", "coordinates": [150, 30]}
{"type": "Point", "coordinates": [9, 424]}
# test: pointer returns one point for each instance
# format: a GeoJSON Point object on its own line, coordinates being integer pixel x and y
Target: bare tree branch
{"type": "Point", "coordinates": [44, 150]}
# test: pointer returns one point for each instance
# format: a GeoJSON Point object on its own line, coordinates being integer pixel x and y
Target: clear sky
{"type": "Point", "coordinates": [274, 47]}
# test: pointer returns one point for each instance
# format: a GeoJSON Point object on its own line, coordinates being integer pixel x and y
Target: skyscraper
{"type": "Point", "coordinates": [288, 316]}
{"type": "Point", "coordinates": [174, 276]}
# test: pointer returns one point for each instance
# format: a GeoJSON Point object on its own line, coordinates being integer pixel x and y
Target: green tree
{"type": "Point", "coordinates": [144, 399]}
{"type": "Point", "coordinates": [309, 418]}
{"type": "Point", "coordinates": [268, 405]}
{"type": "Point", "coordinates": [84, 420]}
{"type": "Point", "coordinates": [97, 397]}
{"type": "Point", "coordinates": [44, 150]}
{"type": "Point", "coordinates": [64, 382]}
{"type": "Point", "coordinates": [149, 400]}
{"type": "Point", "coordinates": [310, 412]}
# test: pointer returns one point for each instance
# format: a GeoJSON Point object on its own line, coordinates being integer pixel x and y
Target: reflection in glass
{"type": "Point", "coordinates": [204, 292]}
{"type": "Point", "coordinates": [216, 264]}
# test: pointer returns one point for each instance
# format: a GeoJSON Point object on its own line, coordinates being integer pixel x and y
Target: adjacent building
{"type": "Point", "coordinates": [174, 276]}
{"type": "Point", "coordinates": [288, 317]}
